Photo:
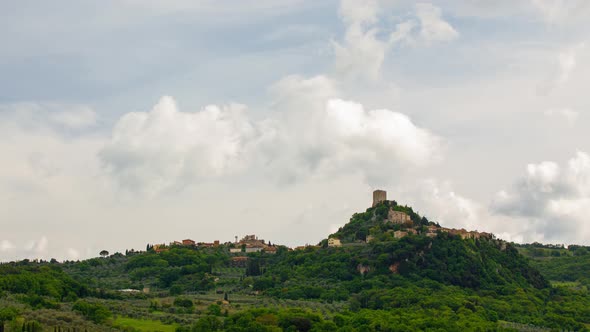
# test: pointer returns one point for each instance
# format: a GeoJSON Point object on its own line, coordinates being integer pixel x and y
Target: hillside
{"type": "Point", "coordinates": [562, 266]}
{"type": "Point", "coordinates": [387, 269]}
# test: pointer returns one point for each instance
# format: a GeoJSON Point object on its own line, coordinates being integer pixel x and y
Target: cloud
{"type": "Point", "coordinates": [34, 249]}
{"type": "Point", "coordinates": [75, 119]}
{"type": "Point", "coordinates": [432, 26]}
{"type": "Point", "coordinates": [442, 204]}
{"type": "Point", "coordinates": [163, 148]}
{"type": "Point", "coordinates": [311, 133]}
{"type": "Point", "coordinates": [359, 12]}
{"type": "Point", "coordinates": [314, 133]}
{"type": "Point", "coordinates": [564, 64]}
{"type": "Point", "coordinates": [385, 131]}
{"type": "Point", "coordinates": [6, 245]}
{"type": "Point", "coordinates": [569, 115]}
{"type": "Point", "coordinates": [561, 11]}
{"type": "Point", "coordinates": [555, 199]}
{"type": "Point", "coordinates": [53, 115]}
{"type": "Point", "coordinates": [567, 63]}
{"type": "Point", "coordinates": [73, 254]}
{"type": "Point", "coordinates": [360, 55]}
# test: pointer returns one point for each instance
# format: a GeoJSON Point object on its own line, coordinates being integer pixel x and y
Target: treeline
{"type": "Point", "coordinates": [427, 313]}
{"type": "Point", "coordinates": [335, 274]}
{"type": "Point", "coordinates": [566, 268]}
{"type": "Point", "coordinates": [36, 281]}
{"type": "Point", "coordinates": [178, 268]}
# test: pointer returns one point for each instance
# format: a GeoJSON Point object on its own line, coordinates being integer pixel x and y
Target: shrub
{"type": "Point", "coordinates": [95, 312]}
{"type": "Point", "coordinates": [183, 302]}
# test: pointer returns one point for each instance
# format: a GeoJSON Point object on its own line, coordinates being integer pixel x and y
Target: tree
{"type": "Point", "coordinates": [6, 314]}
{"type": "Point", "coordinates": [95, 312]}
{"type": "Point", "coordinates": [207, 323]}
{"type": "Point", "coordinates": [104, 253]}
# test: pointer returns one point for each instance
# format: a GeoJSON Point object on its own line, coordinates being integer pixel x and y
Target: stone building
{"type": "Point", "coordinates": [334, 242]}
{"type": "Point", "coordinates": [431, 231]}
{"type": "Point", "coordinates": [400, 234]}
{"type": "Point", "coordinates": [398, 217]}
{"type": "Point", "coordinates": [379, 196]}
{"type": "Point", "coordinates": [464, 234]}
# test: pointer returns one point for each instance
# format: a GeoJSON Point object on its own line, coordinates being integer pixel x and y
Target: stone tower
{"type": "Point", "coordinates": [379, 196]}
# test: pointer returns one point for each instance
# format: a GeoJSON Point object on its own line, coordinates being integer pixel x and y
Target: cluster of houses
{"type": "Point", "coordinates": [407, 225]}
{"type": "Point", "coordinates": [248, 244]}
{"type": "Point", "coordinates": [184, 243]}
{"type": "Point", "coordinates": [251, 243]}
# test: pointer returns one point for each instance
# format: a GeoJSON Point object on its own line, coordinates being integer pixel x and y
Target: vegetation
{"type": "Point", "coordinates": [413, 283]}
{"type": "Point", "coordinates": [131, 324]}
{"type": "Point", "coordinates": [564, 267]}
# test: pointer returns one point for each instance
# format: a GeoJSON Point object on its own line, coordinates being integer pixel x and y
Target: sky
{"type": "Point", "coordinates": [130, 122]}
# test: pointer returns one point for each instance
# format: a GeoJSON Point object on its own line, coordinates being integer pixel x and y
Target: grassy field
{"type": "Point", "coordinates": [144, 325]}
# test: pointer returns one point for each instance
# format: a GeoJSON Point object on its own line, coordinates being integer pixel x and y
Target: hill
{"type": "Point", "coordinates": [569, 267]}
{"type": "Point", "coordinates": [387, 269]}
{"type": "Point", "coordinates": [339, 271]}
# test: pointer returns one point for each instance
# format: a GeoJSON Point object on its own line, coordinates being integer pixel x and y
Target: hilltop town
{"type": "Point", "coordinates": [377, 261]}
{"type": "Point", "coordinates": [389, 220]}
{"type": "Point", "coordinates": [238, 249]}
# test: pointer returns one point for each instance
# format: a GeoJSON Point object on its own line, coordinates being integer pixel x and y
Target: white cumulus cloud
{"type": "Point", "coordinates": [79, 118]}
{"type": "Point", "coordinates": [6, 245]}
{"type": "Point", "coordinates": [555, 199]}
{"type": "Point", "coordinates": [561, 11]}
{"type": "Point", "coordinates": [42, 115]}
{"type": "Point", "coordinates": [361, 53]}
{"type": "Point", "coordinates": [570, 116]}
{"type": "Point", "coordinates": [432, 26]}
{"type": "Point", "coordinates": [163, 148]}
{"type": "Point", "coordinates": [310, 133]}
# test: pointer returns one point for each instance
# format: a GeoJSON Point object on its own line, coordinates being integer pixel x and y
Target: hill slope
{"type": "Point", "coordinates": [411, 275]}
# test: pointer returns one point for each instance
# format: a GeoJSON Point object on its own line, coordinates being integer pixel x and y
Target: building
{"type": "Point", "coordinates": [270, 250]}
{"type": "Point", "coordinates": [400, 234]}
{"type": "Point", "coordinates": [431, 231]}
{"type": "Point", "coordinates": [379, 196]}
{"type": "Point", "coordinates": [307, 246]}
{"type": "Point", "coordinates": [464, 234]}
{"type": "Point", "coordinates": [398, 217]}
{"type": "Point", "coordinates": [249, 238]}
{"type": "Point", "coordinates": [253, 249]}
{"type": "Point", "coordinates": [208, 244]}
{"type": "Point", "coordinates": [334, 242]}
{"type": "Point", "coordinates": [239, 261]}
{"type": "Point", "coordinates": [188, 242]}
{"type": "Point", "coordinates": [158, 248]}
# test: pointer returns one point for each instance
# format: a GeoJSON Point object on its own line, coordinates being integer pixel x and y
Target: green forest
{"type": "Point", "coordinates": [426, 279]}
